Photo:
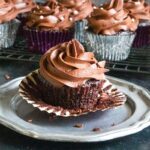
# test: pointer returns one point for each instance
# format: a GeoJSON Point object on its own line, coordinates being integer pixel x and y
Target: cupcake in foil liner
{"type": "Point", "coordinates": [79, 30]}
{"type": "Point", "coordinates": [30, 90]}
{"type": "Point", "coordinates": [110, 47]}
{"type": "Point", "coordinates": [8, 33]}
{"type": "Point", "coordinates": [41, 41]}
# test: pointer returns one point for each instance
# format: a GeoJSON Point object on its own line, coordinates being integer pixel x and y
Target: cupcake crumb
{"type": "Point", "coordinates": [30, 120]}
{"type": "Point", "coordinates": [7, 76]}
{"type": "Point", "coordinates": [96, 129]}
{"type": "Point", "coordinates": [52, 117]}
{"type": "Point", "coordinates": [113, 124]}
{"type": "Point", "coordinates": [78, 125]}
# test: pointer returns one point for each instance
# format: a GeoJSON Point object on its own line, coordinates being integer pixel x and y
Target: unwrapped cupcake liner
{"type": "Point", "coordinates": [79, 30]}
{"type": "Point", "coordinates": [29, 90]}
{"type": "Point", "coordinates": [41, 41]}
{"type": "Point", "coordinates": [110, 47]}
{"type": "Point", "coordinates": [84, 96]}
{"type": "Point", "coordinates": [8, 33]}
{"type": "Point", "coordinates": [142, 38]}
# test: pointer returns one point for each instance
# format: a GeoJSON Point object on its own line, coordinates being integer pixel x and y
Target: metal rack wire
{"type": "Point", "coordinates": [138, 61]}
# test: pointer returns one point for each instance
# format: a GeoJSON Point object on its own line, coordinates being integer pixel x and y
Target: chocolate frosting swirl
{"type": "Point", "coordinates": [80, 9]}
{"type": "Point", "coordinates": [112, 18]}
{"type": "Point", "coordinates": [7, 11]}
{"type": "Point", "coordinates": [50, 16]}
{"type": "Point", "coordinates": [24, 5]}
{"type": "Point", "coordinates": [68, 64]}
{"type": "Point", "coordinates": [138, 8]}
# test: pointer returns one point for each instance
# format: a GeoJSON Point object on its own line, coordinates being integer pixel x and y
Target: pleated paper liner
{"type": "Point", "coordinates": [29, 91]}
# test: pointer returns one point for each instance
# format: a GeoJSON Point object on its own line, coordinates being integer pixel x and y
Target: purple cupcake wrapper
{"type": "Point", "coordinates": [142, 38]}
{"type": "Point", "coordinates": [41, 41]}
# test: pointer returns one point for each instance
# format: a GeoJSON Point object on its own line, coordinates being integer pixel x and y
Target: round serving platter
{"type": "Point", "coordinates": [130, 118]}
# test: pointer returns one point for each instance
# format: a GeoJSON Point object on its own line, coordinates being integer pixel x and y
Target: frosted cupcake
{"type": "Point", "coordinates": [8, 24]}
{"type": "Point", "coordinates": [111, 31]}
{"type": "Point", "coordinates": [48, 25]}
{"type": "Point", "coordinates": [140, 10]}
{"type": "Point", "coordinates": [70, 82]}
{"type": "Point", "coordinates": [80, 10]}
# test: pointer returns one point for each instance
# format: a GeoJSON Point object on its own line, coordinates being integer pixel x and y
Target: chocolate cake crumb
{"type": "Point", "coordinates": [113, 124]}
{"type": "Point", "coordinates": [96, 129]}
{"type": "Point", "coordinates": [78, 125]}
{"type": "Point", "coordinates": [30, 120]}
{"type": "Point", "coordinates": [7, 77]}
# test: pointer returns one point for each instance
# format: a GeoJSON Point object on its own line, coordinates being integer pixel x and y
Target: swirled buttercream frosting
{"type": "Point", "coordinates": [138, 8]}
{"type": "Point", "coordinates": [68, 64]}
{"type": "Point", "coordinates": [24, 5]}
{"type": "Point", "coordinates": [80, 9]}
{"type": "Point", "coordinates": [50, 16]}
{"type": "Point", "coordinates": [111, 18]}
{"type": "Point", "coordinates": [7, 11]}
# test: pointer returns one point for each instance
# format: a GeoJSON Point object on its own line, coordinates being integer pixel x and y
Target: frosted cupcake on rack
{"type": "Point", "coordinates": [140, 10]}
{"type": "Point", "coordinates": [8, 23]}
{"type": "Point", "coordinates": [111, 31]}
{"type": "Point", "coordinates": [80, 10]}
{"type": "Point", "coordinates": [48, 25]}
{"type": "Point", "coordinates": [70, 82]}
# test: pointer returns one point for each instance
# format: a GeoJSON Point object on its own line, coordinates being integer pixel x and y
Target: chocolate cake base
{"type": "Point", "coordinates": [84, 96]}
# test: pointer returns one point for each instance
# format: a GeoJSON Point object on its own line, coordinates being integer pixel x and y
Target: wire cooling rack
{"type": "Point", "coordinates": [138, 61]}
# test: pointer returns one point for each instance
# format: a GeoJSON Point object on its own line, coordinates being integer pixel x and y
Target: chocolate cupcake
{"type": "Point", "coordinates": [80, 10]}
{"type": "Point", "coordinates": [141, 11]}
{"type": "Point", "coordinates": [8, 24]}
{"type": "Point", "coordinates": [48, 25]}
{"type": "Point", "coordinates": [111, 31]}
{"type": "Point", "coordinates": [70, 82]}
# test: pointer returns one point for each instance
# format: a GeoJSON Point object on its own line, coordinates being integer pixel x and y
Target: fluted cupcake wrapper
{"type": "Point", "coordinates": [84, 96]}
{"type": "Point", "coordinates": [79, 30]}
{"type": "Point", "coordinates": [41, 41]}
{"type": "Point", "coordinates": [110, 47]}
{"type": "Point", "coordinates": [29, 90]}
{"type": "Point", "coordinates": [142, 38]}
{"type": "Point", "coordinates": [8, 33]}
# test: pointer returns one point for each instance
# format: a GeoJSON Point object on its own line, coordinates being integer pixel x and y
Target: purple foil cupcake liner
{"type": "Point", "coordinates": [110, 47]}
{"type": "Point", "coordinates": [41, 41]}
{"type": "Point", "coordinates": [30, 91]}
{"type": "Point", "coordinates": [142, 38]}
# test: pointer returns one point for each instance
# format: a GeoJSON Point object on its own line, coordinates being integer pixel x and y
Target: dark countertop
{"type": "Point", "coordinates": [10, 140]}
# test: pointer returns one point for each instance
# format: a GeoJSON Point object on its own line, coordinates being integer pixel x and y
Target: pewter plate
{"type": "Point", "coordinates": [130, 118]}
